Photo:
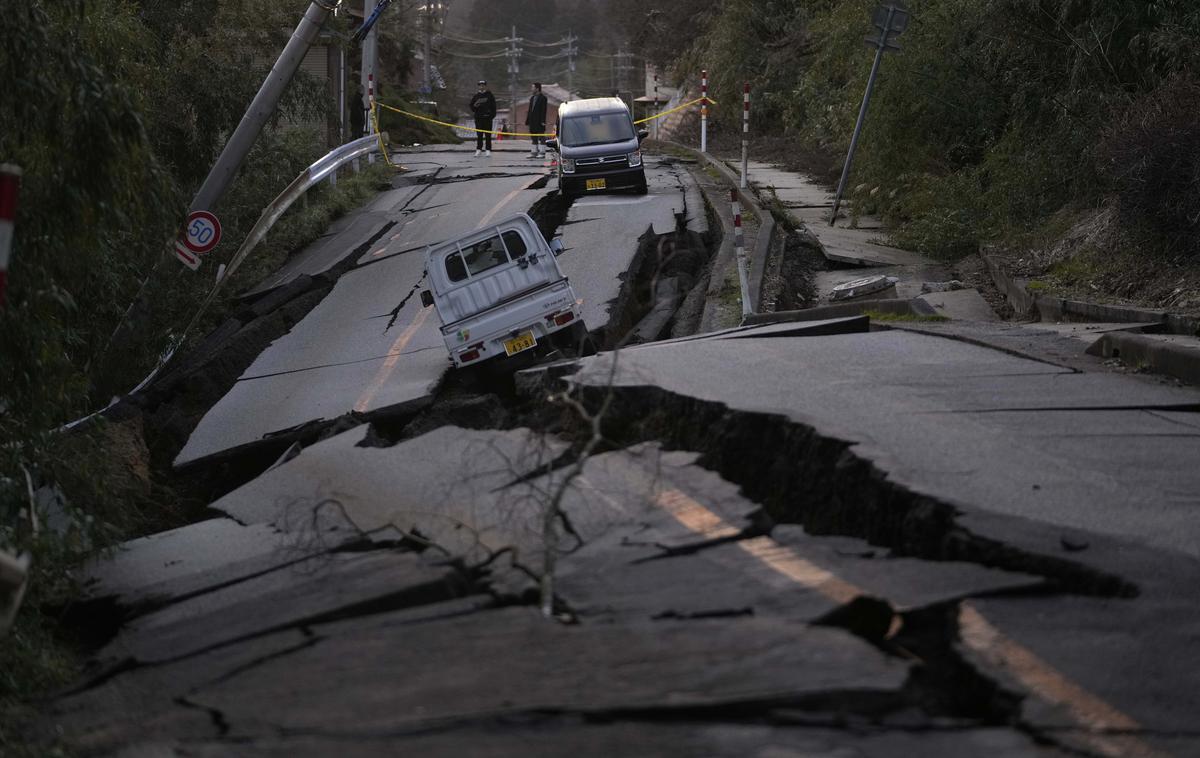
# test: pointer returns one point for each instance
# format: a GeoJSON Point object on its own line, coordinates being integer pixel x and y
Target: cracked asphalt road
{"type": "Point", "coordinates": [795, 540]}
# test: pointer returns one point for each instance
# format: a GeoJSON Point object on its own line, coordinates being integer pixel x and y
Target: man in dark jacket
{"type": "Point", "coordinates": [536, 121]}
{"type": "Point", "coordinates": [483, 106]}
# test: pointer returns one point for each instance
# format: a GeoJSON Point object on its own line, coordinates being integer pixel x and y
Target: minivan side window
{"type": "Point", "coordinates": [475, 259]}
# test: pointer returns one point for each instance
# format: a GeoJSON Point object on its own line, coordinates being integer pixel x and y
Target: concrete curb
{"type": "Point", "coordinates": [1177, 360]}
{"type": "Point", "coordinates": [1051, 308]}
{"type": "Point", "coordinates": [766, 223]}
{"type": "Point", "coordinates": [914, 307]}
{"type": "Point", "coordinates": [1145, 351]}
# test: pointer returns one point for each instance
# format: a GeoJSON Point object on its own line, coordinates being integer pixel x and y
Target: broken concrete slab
{"type": "Point", "coordinates": [602, 234]}
{"type": "Point", "coordinates": [513, 661]}
{"type": "Point", "coordinates": [452, 489]}
{"type": "Point", "coordinates": [191, 559]}
{"type": "Point", "coordinates": [905, 583]}
{"type": "Point", "coordinates": [299, 594]}
{"type": "Point", "coordinates": [630, 575]}
{"type": "Point", "coordinates": [908, 419]}
{"type": "Point", "coordinates": [119, 708]}
{"type": "Point", "coordinates": [1049, 648]}
{"type": "Point", "coordinates": [964, 304]}
{"type": "Point", "coordinates": [551, 737]}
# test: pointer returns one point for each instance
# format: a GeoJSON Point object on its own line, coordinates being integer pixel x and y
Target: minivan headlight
{"type": "Point", "coordinates": [635, 158]}
{"type": "Point", "coordinates": [568, 165]}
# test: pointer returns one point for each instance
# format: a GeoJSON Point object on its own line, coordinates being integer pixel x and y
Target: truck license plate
{"type": "Point", "coordinates": [595, 184]}
{"type": "Point", "coordinates": [519, 343]}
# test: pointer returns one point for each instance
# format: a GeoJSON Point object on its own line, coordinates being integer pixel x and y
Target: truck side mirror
{"type": "Point", "coordinates": [426, 298]}
{"type": "Point", "coordinates": [642, 134]}
{"type": "Point", "coordinates": [556, 247]}
{"type": "Point", "coordinates": [552, 144]}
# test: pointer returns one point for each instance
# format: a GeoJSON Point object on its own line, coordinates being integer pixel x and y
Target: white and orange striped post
{"type": "Point", "coordinates": [704, 111]}
{"type": "Point", "coordinates": [10, 184]}
{"type": "Point", "coordinates": [739, 243]}
{"type": "Point", "coordinates": [372, 127]}
{"type": "Point", "coordinates": [745, 133]}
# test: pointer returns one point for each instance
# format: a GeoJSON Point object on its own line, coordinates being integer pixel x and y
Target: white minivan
{"type": "Point", "coordinates": [599, 148]}
{"type": "Point", "coordinates": [499, 291]}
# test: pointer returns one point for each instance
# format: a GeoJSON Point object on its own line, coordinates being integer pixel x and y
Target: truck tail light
{"type": "Point", "coordinates": [564, 318]}
{"type": "Point", "coordinates": [469, 356]}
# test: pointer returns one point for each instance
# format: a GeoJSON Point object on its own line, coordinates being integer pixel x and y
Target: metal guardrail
{"type": "Point", "coordinates": [309, 178]}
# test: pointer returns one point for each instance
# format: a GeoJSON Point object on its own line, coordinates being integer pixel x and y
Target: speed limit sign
{"type": "Point", "coordinates": [202, 232]}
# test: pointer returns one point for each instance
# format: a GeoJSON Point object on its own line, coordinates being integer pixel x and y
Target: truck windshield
{"type": "Point", "coordinates": [597, 129]}
{"type": "Point", "coordinates": [474, 259]}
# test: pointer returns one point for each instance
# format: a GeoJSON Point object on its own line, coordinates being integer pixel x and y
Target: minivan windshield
{"type": "Point", "coordinates": [596, 129]}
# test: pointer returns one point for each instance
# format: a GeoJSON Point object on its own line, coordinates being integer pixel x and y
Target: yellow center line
{"type": "Point", "coordinates": [389, 365]}
{"type": "Point", "coordinates": [1038, 676]}
{"type": "Point", "coordinates": [499, 206]}
{"type": "Point", "coordinates": [976, 632]}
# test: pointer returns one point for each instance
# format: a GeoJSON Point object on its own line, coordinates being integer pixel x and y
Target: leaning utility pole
{"type": "Point", "coordinates": [264, 105]}
{"type": "Point", "coordinates": [891, 20]}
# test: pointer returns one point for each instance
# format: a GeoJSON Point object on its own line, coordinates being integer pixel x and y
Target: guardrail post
{"type": "Point", "coordinates": [739, 242]}
{"type": "Point", "coordinates": [10, 184]}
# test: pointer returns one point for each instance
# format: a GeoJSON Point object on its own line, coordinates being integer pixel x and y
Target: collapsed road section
{"type": "Point", "coordinates": [358, 355]}
{"type": "Point", "coordinates": [697, 546]}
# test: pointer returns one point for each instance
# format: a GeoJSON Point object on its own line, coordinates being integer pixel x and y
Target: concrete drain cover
{"type": "Point", "coordinates": [867, 286]}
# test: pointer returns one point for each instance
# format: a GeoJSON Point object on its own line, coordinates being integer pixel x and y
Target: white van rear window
{"type": "Point", "coordinates": [475, 259]}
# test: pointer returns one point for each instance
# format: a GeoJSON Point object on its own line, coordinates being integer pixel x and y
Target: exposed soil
{"type": "Point", "coordinates": [1094, 259]}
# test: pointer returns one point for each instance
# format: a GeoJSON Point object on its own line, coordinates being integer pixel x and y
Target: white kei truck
{"type": "Point", "coordinates": [499, 292]}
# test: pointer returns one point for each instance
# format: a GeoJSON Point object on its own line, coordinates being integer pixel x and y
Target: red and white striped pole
{"type": "Point", "coordinates": [10, 184]}
{"type": "Point", "coordinates": [372, 127]}
{"type": "Point", "coordinates": [656, 107]}
{"type": "Point", "coordinates": [745, 133]}
{"type": "Point", "coordinates": [739, 243]}
{"type": "Point", "coordinates": [704, 111]}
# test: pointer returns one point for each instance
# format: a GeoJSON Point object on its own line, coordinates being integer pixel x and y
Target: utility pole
{"type": "Point", "coordinates": [368, 71]}
{"type": "Point", "coordinates": [571, 52]}
{"type": "Point", "coordinates": [514, 68]}
{"type": "Point", "coordinates": [891, 20]}
{"type": "Point", "coordinates": [428, 49]}
{"type": "Point", "coordinates": [263, 107]}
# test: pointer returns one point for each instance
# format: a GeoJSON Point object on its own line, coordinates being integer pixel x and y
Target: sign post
{"type": "Point", "coordinates": [891, 19]}
{"type": "Point", "coordinates": [704, 111]}
{"type": "Point", "coordinates": [200, 235]}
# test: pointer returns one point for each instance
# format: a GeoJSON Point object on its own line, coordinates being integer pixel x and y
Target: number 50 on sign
{"type": "Point", "coordinates": [202, 232]}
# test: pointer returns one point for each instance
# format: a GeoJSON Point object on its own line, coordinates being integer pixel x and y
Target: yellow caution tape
{"type": "Point", "coordinates": [704, 100]}
{"type": "Point", "coordinates": [382, 147]}
{"type": "Point", "coordinates": [419, 117]}
{"type": "Point", "coordinates": [460, 126]}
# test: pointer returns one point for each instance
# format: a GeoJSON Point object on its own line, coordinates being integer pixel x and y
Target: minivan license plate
{"type": "Point", "coordinates": [595, 184]}
{"type": "Point", "coordinates": [519, 343]}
